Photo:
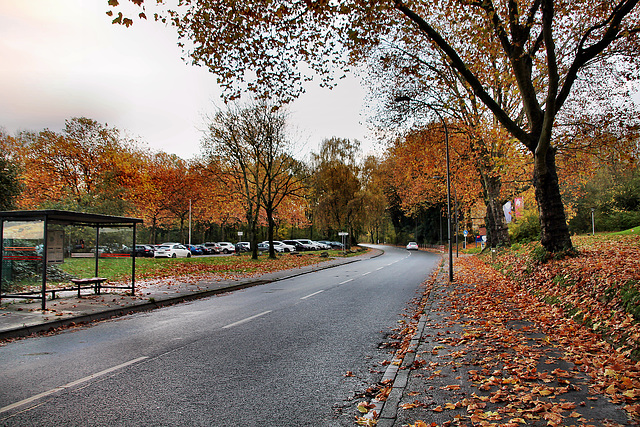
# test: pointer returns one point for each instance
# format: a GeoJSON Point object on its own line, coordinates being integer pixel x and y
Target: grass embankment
{"type": "Point", "coordinates": [598, 287]}
{"type": "Point", "coordinates": [242, 265]}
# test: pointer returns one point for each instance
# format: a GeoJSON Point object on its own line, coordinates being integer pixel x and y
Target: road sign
{"type": "Point", "coordinates": [343, 233]}
{"type": "Point", "coordinates": [239, 233]}
{"type": "Point", "coordinates": [465, 233]}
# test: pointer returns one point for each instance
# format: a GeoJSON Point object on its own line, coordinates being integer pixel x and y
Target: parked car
{"type": "Point", "coordinates": [296, 244]}
{"type": "Point", "coordinates": [323, 246]}
{"type": "Point", "coordinates": [412, 246]}
{"type": "Point", "coordinates": [280, 246]}
{"type": "Point", "coordinates": [144, 251]}
{"type": "Point", "coordinates": [226, 247]}
{"type": "Point", "coordinates": [172, 250]}
{"type": "Point", "coordinates": [205, 250]}
{"type": "Point", "coordinates": [213, 246]}
{"type": "Point", "coordinates": [243, 247]}
{"type": "Point", "coordinates": [195, 250]}
{"type": "Point", "coordinates": [332, 244]}
{"type": "Point", "coordinates": [313, 246]}
{"type": "Point", "coordinates": [263, 247]}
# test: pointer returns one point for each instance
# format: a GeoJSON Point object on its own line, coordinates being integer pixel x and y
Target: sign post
{"type": "Point", "coordinates": [465, 233]}
{"type": "Point", "coordinates": [344, 235]}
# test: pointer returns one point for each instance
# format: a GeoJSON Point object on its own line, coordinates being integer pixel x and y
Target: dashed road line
{"type": "Point", "coordinates": [248, 319]}
{"type": "Point", "coordinates": [69, 385]}
{"type": "Point", "coordinates": [310, 295]}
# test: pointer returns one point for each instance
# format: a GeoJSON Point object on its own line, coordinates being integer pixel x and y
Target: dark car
{"type": "Point", "coordinates": [298, 245]}
{"type": "Point", "coordinates": [243, 247]}
{"type": "Point", "coordinates": [205, 250]}
{"type": "Point", "coordinates": [144, 251]}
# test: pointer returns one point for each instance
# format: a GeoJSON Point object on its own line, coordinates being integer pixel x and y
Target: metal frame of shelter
{"type": "Point", "coordinates": [64, 218]}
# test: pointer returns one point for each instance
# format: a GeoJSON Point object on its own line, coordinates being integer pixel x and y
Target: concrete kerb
{"type": "Point", "coordinates": [50, 325]}
{"type": "Point", "coordinates": [397, 373]}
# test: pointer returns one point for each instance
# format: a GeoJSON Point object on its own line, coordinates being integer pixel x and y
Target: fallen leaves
{"type": "Point", "coordinates": [539, 347]}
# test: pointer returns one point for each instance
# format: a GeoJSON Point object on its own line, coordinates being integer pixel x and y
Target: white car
{"type": "Point", "coordinates": [310, 243]}
{"type": "Point", "coordinates": [226, 247]}
{"type": "Point", "coordinates": [279, 246]}
{"type": "Point", "coordinates": [322, 246]}
{"type": "Point", "coordinates": [412, 246]}
{"type": "Point", "coordinates": [172, 250]}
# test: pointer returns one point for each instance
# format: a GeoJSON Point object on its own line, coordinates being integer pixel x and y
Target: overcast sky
{"type": "Point", "coordinates": [64, 58]}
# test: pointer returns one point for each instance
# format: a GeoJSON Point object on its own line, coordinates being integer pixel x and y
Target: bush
{"type": "Point", "coordinates": [526, 228]}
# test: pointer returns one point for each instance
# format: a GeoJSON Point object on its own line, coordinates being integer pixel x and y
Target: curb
{"type": "Point", "coordinates": [397, 373]}
{"type": "Point", "coordinates": [27, 330]}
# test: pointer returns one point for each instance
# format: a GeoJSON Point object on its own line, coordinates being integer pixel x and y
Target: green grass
{"type": "Point", "coordinates": [120, 268]}
{"type": "Point", "coordinates": [634, 230]}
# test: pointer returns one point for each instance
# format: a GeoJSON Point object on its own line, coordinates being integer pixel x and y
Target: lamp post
{"type": "Point", "coordinates": [593, 222]}
{"type": "Point", "coordinates": [446, 142]}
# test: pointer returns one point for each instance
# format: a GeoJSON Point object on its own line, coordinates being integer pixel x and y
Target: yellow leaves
{"type": "Point", "coordinates": [364, 407]}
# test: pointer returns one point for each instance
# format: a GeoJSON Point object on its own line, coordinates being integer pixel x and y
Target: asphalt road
{"type": "Point", "coordinates": [271, 355]}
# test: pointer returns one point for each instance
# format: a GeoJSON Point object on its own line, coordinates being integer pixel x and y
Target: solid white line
{"type": "Point", "coordinates": [248, 319]}
{"type": "Point", "coordinates": [310, 295]}
{"type": "Point", "coordinates": [69, 385]}
{"type": "Point", "coordinates": [346, 281]}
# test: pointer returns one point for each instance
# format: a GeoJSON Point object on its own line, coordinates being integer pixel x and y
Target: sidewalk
{"type": "Point", "coordinates": [20, 318]}
{"type": "Point", "coordinates": [477, 358]}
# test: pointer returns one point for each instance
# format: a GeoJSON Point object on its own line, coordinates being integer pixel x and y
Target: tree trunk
{"type": "Point", "coordinates": [497, 229]}
{"type": "Point", "coordinates": [554, 231]}
{"type": "Point", "coordinates": [271, 223]}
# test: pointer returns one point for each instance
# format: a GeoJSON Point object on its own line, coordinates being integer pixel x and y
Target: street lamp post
{"type": "Point", "coordinates": [446, 142]}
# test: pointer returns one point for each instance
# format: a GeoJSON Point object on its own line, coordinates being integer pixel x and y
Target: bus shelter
{"type": "Point", "coordinates": [45, 249]}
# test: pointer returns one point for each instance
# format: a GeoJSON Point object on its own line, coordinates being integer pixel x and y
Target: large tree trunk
{"type": "Point", "coordinates": [497, 229]}
{"type": "Point", "coordinates": [555, 235]}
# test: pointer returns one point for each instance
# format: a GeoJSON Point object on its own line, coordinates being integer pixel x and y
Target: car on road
{"type": "Point", "coordinates": [172, 250]}
{"type": "Point", "coordinates": [412, 246]}
{"type": "Point", "coordinates": [144, 251]}
{"type": "Point", "coordinates": [226, 247]}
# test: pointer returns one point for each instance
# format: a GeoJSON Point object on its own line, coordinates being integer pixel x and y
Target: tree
{"type": "Point", "coordinates": [336, 186]}
{"type": "Point", "coordinates": [250, 145]}
{"type": "Point", "coordinates": [79, 168]}
{"type": "Point", "coordinates": [10, 187]}
{"type": "Point", "coordinates": [547, 45]}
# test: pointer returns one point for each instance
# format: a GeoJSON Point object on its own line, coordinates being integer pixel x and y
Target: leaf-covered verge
{"type": "Point", "coordinates": [550, 343]}
{"type": "Point", "coordinates": [598, 287]}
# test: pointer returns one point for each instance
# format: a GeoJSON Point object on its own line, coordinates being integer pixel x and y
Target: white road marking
{"type": "Point", "coordinates": [379, 268]}
{"type": "Point", "coordinates": [346, 281]}
{"type": "Point", "coordinates": [310, 295]}
{"type": "Point", "coordinates": [69, 385]}
{"type": "Point", "coordinates": [368, 272]}
{"type": "Point", "coordinates": [248, 319]}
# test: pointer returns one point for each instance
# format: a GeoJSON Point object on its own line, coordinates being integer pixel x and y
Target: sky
{"type": "Point", "coordinates": [64, 59]}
